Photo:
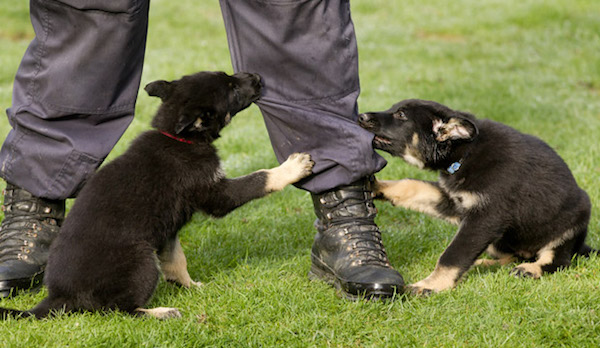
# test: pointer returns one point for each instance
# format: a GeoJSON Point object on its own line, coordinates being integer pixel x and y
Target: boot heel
{"type": "Point", "coordinates": [316, 273]}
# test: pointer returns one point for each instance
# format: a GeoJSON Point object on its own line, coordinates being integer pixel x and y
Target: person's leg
{"type": "Point", "coordinates": [73, 97]}
{"type": "Point", "coordinates": [306, 53]}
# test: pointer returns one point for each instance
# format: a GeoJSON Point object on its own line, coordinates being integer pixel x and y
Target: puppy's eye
{"type": "Point", "coordinates": [400, 115]}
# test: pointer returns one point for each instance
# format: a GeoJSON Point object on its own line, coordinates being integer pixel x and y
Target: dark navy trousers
{"type": "Point", "coordinates": [75, 90]}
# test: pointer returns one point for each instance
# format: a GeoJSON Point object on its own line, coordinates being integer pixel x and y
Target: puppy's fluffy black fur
{"type": "Point", "coordinates": [129, 213]}
{"type": "Point", "coordinates": [511, 194]}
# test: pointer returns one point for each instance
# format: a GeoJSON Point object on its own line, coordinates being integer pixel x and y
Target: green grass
{"type": "Point", "coordinates": [534, 64]}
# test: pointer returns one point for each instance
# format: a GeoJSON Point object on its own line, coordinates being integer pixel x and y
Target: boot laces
{"type": "Point", "coordinates": [366, 244]}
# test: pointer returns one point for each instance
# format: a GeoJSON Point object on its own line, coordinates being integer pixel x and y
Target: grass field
{"type": "Point", "coordinates": [533, 64]}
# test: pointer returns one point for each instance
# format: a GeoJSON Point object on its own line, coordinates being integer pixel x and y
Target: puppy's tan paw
{"type": "Point", "coordinates": [378, 187]}
{"type": "Point", "coordinates": [296, 167]}
{"type": "Point", "coordinates": [196, 284]}
{"type": "Point", "coordinates": [527, 270]}
{"type": "Point", "coordinates": [300, 164]}
{"type": "Point", "coordinates": [161, 312]}
{"type": "Point", "coordinates": [418, 291]}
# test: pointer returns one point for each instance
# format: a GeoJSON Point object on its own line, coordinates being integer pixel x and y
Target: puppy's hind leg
{"type": "Point", "coordinates": [499, 257]}
{"type": "Point", "coordinates": [555, 255]}
{"type": "Point", "coordinates": [174, 265]}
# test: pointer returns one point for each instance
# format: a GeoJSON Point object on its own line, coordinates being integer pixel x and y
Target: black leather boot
{"type": "Point", "coordinates": [30, 224]}
{"type": "Point", "coordinates": [348, 252]}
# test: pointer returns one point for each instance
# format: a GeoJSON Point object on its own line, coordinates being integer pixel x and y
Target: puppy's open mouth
{"type": "Point", "coordinates": [380, 141]}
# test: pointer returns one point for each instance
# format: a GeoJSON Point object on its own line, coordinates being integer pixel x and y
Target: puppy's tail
{"type": "Point", "coordinates": [42, 310]}
{"type": "Point", "coordinates": [586, 250]}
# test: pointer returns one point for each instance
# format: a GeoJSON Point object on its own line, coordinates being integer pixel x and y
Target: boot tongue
{"type": "Point", "coordinates": [342, 205]}
{"type": "Point", "coordinates": [18, 202]}
{"type": "Point", "coordinates": [30, 225]}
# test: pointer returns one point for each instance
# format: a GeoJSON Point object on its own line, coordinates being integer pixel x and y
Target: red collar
{"type": "Point", "coordinates": [176, 138]}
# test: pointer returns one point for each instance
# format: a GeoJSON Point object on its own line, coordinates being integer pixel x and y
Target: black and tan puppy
{"type": "Point", "coordinates": [509, 192]}
{"type": "Point", "coordinates": [128, 215]}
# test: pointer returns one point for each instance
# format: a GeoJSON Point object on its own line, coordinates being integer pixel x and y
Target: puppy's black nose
{"type": "Point", "coordinates": [363, 118]}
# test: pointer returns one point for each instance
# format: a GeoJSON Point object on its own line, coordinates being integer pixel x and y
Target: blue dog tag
{"type": "Point", "coordinates": [454, 167]}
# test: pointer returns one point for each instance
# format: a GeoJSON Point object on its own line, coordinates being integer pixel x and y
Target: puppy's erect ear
{"type": "Point", "coordinates": [454, 128]}
{"type": "Point", "coordinates": [161, 88]}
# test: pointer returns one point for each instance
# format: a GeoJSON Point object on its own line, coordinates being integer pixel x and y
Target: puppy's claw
{"type": "Point", "coordinates": [521, 273]}
{"type": "Point", "coordinates": [419, 291]}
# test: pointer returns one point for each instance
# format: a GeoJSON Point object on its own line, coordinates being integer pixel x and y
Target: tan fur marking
{"type": "Point", "coordinates": [500, 258]}
{"type": "Point", "coordinates": [534, 269]}
{"type": "Point", "coordinates": [464, 199]}
{"type": "Point", "coordinates": [493, 262]}
{"type": "Point", "coordinates": [415, 139]}
{"type": "Point", "coordinates": [442, 278]}
{"type": "Point", "coordinates": [296, 167]}
{"type": "Point", "coordinates": [569, 234]}
{"type": "Point", "coordinates": [412, 157]}
{"type": "Point", "coordinates": [469, 200]}
{"type": "Point", "coordinates": [545, 256]}
{"type": "Point", "coordinates": [415, 195]}
{"type": "Point", "coordinates": [174, 266]}
{"type": "Point", "coordinates": [161, 312]}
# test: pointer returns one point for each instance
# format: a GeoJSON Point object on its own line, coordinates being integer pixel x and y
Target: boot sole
{"type": "Point", "coordinates": [10, 288]}
{"type": "Point", "coordinates": [350, 290]}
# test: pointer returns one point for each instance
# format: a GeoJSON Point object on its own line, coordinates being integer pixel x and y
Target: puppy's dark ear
{"type": "Point", "coordinates": [161, 88]}
{"type": "Point", "coordinates": [454, 128]}
{"type": "Point", "coordinates": [186, 120]}
{"type": "Point", "coordinates": [193, 121]}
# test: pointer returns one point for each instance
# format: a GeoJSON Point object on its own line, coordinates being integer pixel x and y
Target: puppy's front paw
{"type": "Point", "coordinates": [296, 167]}
{"type": "Point", "coordinates": [442, 278]}
{"type": "Point", "coordinates": [413, 289]}
{"type": "Point", "coordinates": [300, 164]}
{"type": "Point", "coordinates": [378, 187]}
{"type": "Point", "coordinates": [160, 312]}
{"type": "Point", "coordinates": [527, 270]}
{"type": "Point", "coordinates": [196, 284]}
